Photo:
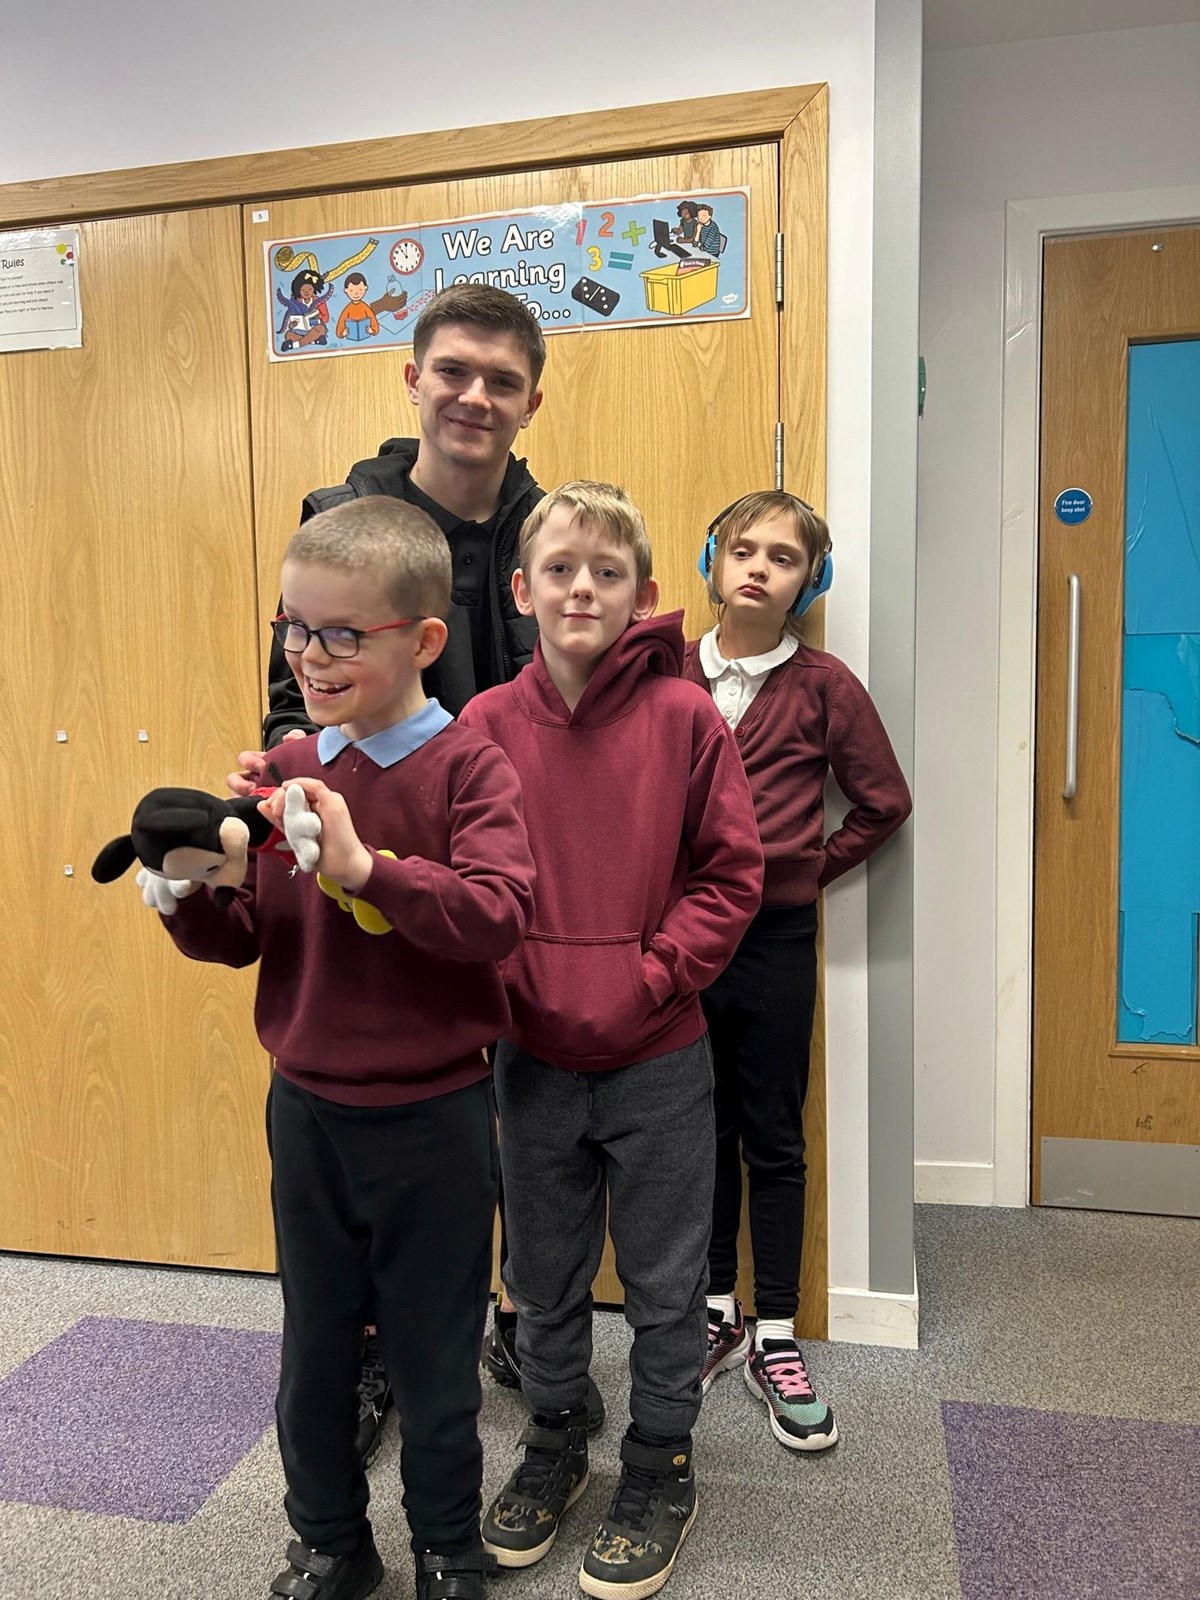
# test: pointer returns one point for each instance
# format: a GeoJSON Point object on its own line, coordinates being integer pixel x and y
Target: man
{"type": "Point", "coordinates": [477, 364]}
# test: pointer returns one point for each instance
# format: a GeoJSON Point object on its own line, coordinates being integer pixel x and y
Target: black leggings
{"type": "Point", "coordinates": [760, 1017]}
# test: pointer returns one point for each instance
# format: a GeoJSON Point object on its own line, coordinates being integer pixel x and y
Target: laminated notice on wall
{"type": "Point", "coordinates": [39, 290]}
{"type": "Point", "coordinates": [679, 257]}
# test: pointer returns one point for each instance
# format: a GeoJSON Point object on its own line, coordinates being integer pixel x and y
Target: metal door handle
{"type": "Point", "coordinates": [1072, 686]}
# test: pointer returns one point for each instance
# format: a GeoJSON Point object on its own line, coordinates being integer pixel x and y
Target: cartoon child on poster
{"type": "Point", "coordinates": [357, 321]}
{"type": "Point", "coordinates": [708, 235]}
{"type": "Point", "coordinates": [305, 319]}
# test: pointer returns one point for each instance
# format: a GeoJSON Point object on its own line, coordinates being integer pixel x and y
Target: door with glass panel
{"type": "Point", "coordinates": [1116, 1049]}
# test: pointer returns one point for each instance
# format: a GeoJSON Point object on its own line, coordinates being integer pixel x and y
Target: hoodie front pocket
{"type": "Point", "coordinates": [583, 996]}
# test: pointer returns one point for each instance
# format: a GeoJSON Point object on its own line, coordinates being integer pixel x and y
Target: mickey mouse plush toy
{"type": "Point", "coordinates": [186, 840]}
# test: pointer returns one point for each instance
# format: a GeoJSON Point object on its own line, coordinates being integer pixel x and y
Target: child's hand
{"type": "Point", "coordinates": [344, 857]}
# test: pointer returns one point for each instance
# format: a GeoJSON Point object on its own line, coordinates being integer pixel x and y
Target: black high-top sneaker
{"type": "Point", "coordinates": [652, 1512]}
{"type": "Point", "coordinates": [522, 1522]}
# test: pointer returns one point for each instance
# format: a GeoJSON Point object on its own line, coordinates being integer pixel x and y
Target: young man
{"type": "Point", "coordinates": [649, 869]}
{"type": "Point", "coordinates": [475, 379]}
{"type": "Point", "coordinates": [378, 995]}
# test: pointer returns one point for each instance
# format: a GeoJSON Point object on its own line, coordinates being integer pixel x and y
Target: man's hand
{"type": "Point", "coordinates": [164, 894]}
{"type": "Point", "coordinates": [344, 857]}
{"type": "Point", "coordinates": [252, 765]}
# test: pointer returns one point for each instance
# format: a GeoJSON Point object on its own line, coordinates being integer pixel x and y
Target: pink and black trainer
{"type": "Point", "coordinates": [800, 1419]}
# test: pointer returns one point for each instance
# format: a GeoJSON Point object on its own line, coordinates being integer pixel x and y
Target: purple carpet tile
{"type": "Point", "coordinates": [1054, 1506]}
{"type": "Point", "coordinates": [134, 1419]}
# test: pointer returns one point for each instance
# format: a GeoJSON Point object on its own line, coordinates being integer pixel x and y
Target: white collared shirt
{"type": "Point", "coordinates": [735, 683]}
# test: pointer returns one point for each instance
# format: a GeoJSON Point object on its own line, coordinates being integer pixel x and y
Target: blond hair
{"type": "Point", "coordinates": [399, 544]}
{"type": "Point", "coordinates": [601, 507]}
{"type": "Point", "coordinates": [765, 505]}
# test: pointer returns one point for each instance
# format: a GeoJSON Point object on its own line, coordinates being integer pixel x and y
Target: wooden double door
{"type": "Point", "coordinates": [148, 484]}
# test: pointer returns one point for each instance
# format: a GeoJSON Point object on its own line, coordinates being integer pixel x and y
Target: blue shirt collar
{"type": "Point", "coordinates": [389, 745]}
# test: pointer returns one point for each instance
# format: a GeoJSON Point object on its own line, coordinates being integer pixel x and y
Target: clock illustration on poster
{"type": "Point", "coordinates": [407, 255]}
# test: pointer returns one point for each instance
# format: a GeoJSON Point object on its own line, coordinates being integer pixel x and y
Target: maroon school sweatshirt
{"type": "Point", "coordinates": [374, 1019]}
{"type": "Point", "coordinates": [810, 717]}
{"type": "Point", "coordinates": [648, 861]}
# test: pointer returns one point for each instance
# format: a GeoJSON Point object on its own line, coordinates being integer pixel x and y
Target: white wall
{"type": "Point", "coordinates": [1084, 115]}
{"type": "Point", "coordinates": [95, 87]}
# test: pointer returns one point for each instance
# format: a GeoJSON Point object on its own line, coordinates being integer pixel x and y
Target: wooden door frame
{"type": "Point", "coordinates": [1027, 224]}
{"type": "Point", "coordinates": [795, 118]}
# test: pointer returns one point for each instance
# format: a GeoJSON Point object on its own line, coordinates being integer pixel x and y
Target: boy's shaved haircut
{"type": "Point", "coordinates": [398, 542]}
{"type": "Point", "coordinates": [483, 306]}
{"type": "Point", "coordinates": [603, 508]}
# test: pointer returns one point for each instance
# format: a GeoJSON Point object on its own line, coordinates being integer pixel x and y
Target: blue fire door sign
{"type": "Point", "coordinates": [1073, 506]}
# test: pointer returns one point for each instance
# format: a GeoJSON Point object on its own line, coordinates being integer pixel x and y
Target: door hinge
{"type": "Point", "coordinates": [779, 455]}
{"type": "Point", "coordinates": [778, 269]}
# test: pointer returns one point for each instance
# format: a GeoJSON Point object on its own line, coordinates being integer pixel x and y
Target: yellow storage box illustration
{"type": "Point", "coordinates": [680, 287]}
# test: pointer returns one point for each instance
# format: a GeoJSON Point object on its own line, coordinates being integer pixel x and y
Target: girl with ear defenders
{"type": "Point", "coordinates": [797, 714]}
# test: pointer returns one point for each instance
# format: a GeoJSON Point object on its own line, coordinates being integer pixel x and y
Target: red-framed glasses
{"type": "Point", "coordinates": [341, 643]}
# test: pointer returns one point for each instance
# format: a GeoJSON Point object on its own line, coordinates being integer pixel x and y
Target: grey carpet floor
{"type": "Point", "coordinates": [1053, 1311]}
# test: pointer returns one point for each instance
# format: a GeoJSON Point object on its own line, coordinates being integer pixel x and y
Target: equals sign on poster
{"type": "Point", "coordinates": [619, 261]}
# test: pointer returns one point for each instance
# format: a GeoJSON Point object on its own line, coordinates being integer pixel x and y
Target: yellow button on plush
{"type": "Point", "coordinates": [368, 918]}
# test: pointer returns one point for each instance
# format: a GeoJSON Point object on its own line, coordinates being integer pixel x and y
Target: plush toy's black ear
{"type": "Point", "coordinates": [116, 857]}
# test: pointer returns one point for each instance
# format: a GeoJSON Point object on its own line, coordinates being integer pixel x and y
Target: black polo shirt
{"type": "Point", "coordinates": [471, 557]}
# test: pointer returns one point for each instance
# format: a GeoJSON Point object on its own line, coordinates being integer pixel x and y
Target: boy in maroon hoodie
{"type": "Point", "coordinates": [378, 992]}
{"type": "Point", "coordinates": [649, 869]}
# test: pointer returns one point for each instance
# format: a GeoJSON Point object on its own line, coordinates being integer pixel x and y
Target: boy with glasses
{"type": "Point", "coordinates": [378, 994]}
{"type": "Point", "coordinates": [475, 379]}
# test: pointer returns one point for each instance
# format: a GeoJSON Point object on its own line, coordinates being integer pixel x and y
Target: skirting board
{"type": "Point", "coordinates": [954, 1183]}
{"type": "Point", "coordinates": [859, 1316]}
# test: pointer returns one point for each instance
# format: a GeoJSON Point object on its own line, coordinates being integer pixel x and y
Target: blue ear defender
{"type": "Point", "coordinates": [820, 579]}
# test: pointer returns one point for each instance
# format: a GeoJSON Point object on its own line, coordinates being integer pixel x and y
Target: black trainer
{"type": "Point", "coordinates": [500, 1359]}
{"type": "Point", "coordinates": [652, 1512]}
{"type": "Point", "coordinates": [310, 1575]}
{"type": "Point", "coordinates": [374, 1402]}
{"type": "Point", "coordinates": [460, 1577]}
{"type": "Point", "coordinates": [500, 1350]}
{"type": "Point", "coordinates": [522, 1522]}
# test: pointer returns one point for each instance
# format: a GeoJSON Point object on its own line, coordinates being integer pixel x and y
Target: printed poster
{"type": "Point", "coordinates": [39, 290]}
{"type": "Point", "coordinates": [665, 258]}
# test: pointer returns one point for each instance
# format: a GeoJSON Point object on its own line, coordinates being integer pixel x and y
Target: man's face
{"type": "Point", "coordinates": [705, 214]}
{"type": "Point", "coordinates": [474, 393]}
{"type": "Point", "coordinates": [355, 291]}
{"type": "Point", "coordinates": [582, 587]}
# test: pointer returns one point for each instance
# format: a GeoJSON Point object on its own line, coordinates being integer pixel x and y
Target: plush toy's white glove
{"type": "Point", "coordinates": [164, 894]}
{"type": "Point", "coordinates": [301, 828]}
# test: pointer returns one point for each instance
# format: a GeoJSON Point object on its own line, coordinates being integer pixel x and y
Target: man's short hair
{"type": "Point", "coordinates": [399, 544]}
{"type": "Point", "coordinates": [355, 277]}
{"type": "Point", "coordinates": [602, 507]}
{"type": "Point", "coordinates": [482, 306]}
